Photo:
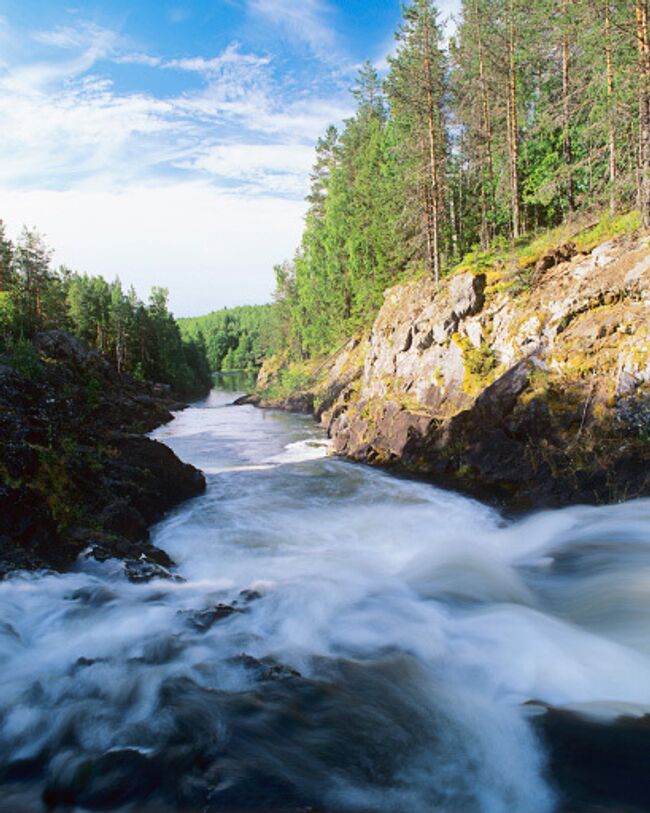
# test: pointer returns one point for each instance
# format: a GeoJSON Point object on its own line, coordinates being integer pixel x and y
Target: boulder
{"type": "Point", "coordinates": [467, 294]}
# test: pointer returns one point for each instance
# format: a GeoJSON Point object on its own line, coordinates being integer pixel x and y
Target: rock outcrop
{"type": "Point", "coordinates": [527, 385]}
{"type": "Point", "coordinates": [76, 472]}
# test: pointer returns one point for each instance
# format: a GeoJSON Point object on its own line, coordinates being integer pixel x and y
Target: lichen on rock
{"type": "Point", "coordinates": [536, 396]}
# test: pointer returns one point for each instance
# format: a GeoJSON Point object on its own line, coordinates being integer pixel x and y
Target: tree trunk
{"type": "Point", "coordinates": [428, 230]}
{"type": "Point", "coordinates": [513, 127]}
{"type": "Point", "coordinates": [644, 110]}
{"type": "Point", "coordinates": [432, 157]}
{"type": "Point", "coordinates": [567, 151]}
{"type": "Point", "coordinates": [610, 107]}
{"type": "Point", "coordinates": [452, 223]}
{"type": "Point", "coordinates": [484, 233]}
{"type": "Point", "coordinates": [487, 167]}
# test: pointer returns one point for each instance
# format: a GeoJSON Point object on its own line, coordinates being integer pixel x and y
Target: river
{"type": "Point", "coordinates": [380, 645]}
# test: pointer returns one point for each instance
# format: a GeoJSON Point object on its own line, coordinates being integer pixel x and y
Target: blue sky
{"type": "Point", "coordinates": [170, 143]}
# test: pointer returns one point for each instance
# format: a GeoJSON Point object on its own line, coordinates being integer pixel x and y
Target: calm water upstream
{"type": "Point", "coordinates": [379, 662]}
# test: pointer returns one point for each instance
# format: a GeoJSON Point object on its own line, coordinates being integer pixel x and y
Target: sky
{"type": "Point", "coordinates": [169, 142]}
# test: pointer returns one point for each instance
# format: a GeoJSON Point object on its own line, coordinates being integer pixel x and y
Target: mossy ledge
{"type": "Point", "coordinates": [76, 473]}
{"type": "Point", "coordinates": [523, 380]}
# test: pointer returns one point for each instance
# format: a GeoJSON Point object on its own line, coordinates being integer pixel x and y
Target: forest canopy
{"type": "Point", "coordinates": [235, 338]}
{"type": "Point", "coordinates": [142, 339]}
{"type": "Point", "coordinates": [532, 114]}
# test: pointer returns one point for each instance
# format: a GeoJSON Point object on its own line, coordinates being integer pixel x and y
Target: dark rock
{"type": "Point", "coordinates": [73, 473]}
{"type": "Point", "coordinates": [498, 458]}
{"type": "Point", "coordinates": [103, 783]}
{"type": "Point", "coordinates": [250, 595]}
{"type": "Point", "coordinates": [266, 668]}
{"type": "Point", "coordinates": [559, 255]}
{"type": "Point", "coordinates": [244, 400]}
{"type": "Point", "coordinates": [142, 571]}
{"type": "Point", "coordinates": [302, 402]}
{"type": "Point", "coordinates": [258, 791]}
{"type": "Point", "coordinates": [598, 765]}
{"type": "Point", "coordinates": [28, 533]}
{"type": "Point", "coordinates": [203, 620]}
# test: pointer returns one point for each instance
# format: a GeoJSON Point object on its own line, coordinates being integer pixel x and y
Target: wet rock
{"type": "Point", "coordinates": [245, 400]}
{"type": "Point", "coordinates": [257, 791]}
{"type": "Point", "coordinates": [250, 595]}
{"type": "Point", "coordinates": [266, 668]}
{"type": "Point", "coordinates": [102, 783]}
{"type": "Point", "coordinates": [598, 763]}
{"type": "Point", "coordinates": [142, 571]}
{"type": "Point", "coordinates": [203, 620]}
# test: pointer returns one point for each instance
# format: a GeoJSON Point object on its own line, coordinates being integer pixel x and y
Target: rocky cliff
{"type": "Point", "coordinates": [526, 382]}
{"type": "Point", "coordinates": [76, 472]}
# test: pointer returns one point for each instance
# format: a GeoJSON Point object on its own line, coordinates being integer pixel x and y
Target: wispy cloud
{"type": "Point", "coordinates": [229, 145]}
{"type": "Point", "coordinates": [275, 168]}
{"type": "Point", "coordinates": [89, 133]}
{"type": "Point", "coordinates": [231, 57]}
{"type": "Point", "coordinates": [84, 35]}
{"type": "Point", "coordinates": [137, 58]}
{"type": "Point", "coordinates": [306, 21]}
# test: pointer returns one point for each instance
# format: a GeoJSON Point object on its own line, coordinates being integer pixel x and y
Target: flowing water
{"type": "Point", "coordinates": [386, 638]}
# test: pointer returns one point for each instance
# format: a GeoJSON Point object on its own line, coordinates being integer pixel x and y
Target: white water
{"type": "Point", "coordinates": [419, 620]}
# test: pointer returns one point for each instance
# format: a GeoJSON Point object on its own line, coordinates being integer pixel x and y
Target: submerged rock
{"type": "Point", "coordinates": [597, 764]}
{"type": "Point", "coordinates": [203, 620]}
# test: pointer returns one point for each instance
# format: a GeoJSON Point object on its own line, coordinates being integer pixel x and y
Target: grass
{"type": "Point", "coordinates": [508, 267]}
{"type": "Point", "coordinates": [525, 252]}
{"type": "Point", "coordinates": [290, 379]}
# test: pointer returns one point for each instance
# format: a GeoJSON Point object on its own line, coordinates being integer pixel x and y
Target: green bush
{"type": "Point", "coordinates": [24, 359]}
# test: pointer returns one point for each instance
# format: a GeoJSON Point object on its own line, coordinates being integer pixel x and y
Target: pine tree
{"type": "Point", "coordinates": [417, 91]}
{"type": "Point", "coordinates": [6, 259]}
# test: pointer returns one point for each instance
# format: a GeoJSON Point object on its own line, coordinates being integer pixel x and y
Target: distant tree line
{"type": "Point", "coordinates": [236, 338]}
{"type": "Point", "coordinates": [532, 113]}
{"type": "Point", "coordinates": [142, 339]}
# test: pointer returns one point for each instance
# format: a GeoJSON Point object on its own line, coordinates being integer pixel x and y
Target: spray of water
{"type": "Point", "coordinates": [379, 658]}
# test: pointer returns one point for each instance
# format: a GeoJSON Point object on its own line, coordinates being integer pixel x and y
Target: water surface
{"type": "Point", "coordinates": [387, 638]}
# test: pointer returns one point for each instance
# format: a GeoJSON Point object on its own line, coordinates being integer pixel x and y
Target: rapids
{"type": "Point", "coordinates": [386, 640]}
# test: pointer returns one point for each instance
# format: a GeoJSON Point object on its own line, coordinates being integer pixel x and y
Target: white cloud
{"type": "Point", "coordinates": [88, 131]}
{"type": "Point", "coordinates": [209, 248]}
{"type": "Point", "coordinates": [138, 59]}
{"type": "Point", "coordinates": [263, 168]}
{"type": "Point", "coordinates": [200, 190]}
{"type": "Point", "coordinates": [231, 57]}
{"type": "Point", "coordinates": [303, 20]}
{"type": "Point", "coordinates": [90, 41]}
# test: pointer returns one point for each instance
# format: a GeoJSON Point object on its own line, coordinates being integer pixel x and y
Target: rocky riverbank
{"type": "Point", "coordinates": [528, 383]}
{"type": "Point", "coordinates": [77, 474]}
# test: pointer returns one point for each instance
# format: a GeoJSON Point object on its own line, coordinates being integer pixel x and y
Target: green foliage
{"type": "Point", "coordinates": [141, 339]}
{"type": "Point", "coordinates": [480, 361]}
{"type": "Point", "coordinates": [235, 338]}
{"type": "Point", "coordinates": [293, 378]}
{"type": "Point", "coordinates": [528, 122]}
{"type": "Point", "coordinates": [24, 359]}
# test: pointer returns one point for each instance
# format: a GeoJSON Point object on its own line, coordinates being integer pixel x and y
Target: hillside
{"type": "Point", "coordinates": [527, 381]}
{"type": "Point", "coordinates": [235, 338]}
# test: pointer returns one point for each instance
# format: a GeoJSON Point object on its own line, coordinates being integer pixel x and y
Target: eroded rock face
{"type": "Point", "coordinates": [531, 386]}
{"type": "Point", "coordinates": [74, 472]}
